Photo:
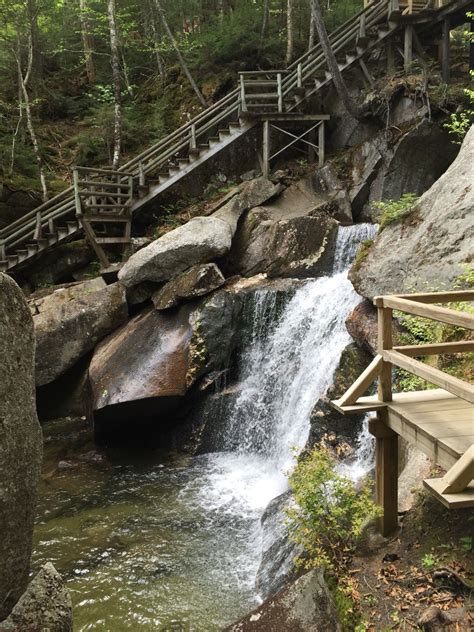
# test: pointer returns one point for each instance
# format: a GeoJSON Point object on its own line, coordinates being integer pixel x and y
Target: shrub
{"type": "Point", "coordinates": [329, 512]}
{"type": "Point", "coordinates": [395, 210]}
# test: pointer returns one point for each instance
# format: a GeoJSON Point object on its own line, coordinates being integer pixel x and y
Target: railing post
{"type": "Point", "coordinates": [266, 149]}
{"type": "Point", "coordinates": [321, 142]}
{"type": "Point", "coordinates": [192, 142]}
{"type": "Point", "coordinates": [385, 342]}
{"type": "Point", "coordinates": [77, 197]}
{"type": "Point", "coordinates": [362, 27]}
{"type": "Point", "coordinates": [243, 104]}
{"type": "Point", "coordinates": [280, 93]}
{"type": "Point", "coordinates": [2, 250]}
{"type": "Point", "coordinates": [141, 174]}
{"type": "Point", "coordinates": [300, 76]}
{"type": "Point", "coordinates": [38, 230]}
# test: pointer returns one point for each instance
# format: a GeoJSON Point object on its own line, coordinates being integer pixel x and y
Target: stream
{"type": "Point", "coordinates": [150, 540]}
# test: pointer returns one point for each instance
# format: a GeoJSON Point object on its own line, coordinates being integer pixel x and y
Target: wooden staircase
{"type": "Point", "coordinates": [83, 208]}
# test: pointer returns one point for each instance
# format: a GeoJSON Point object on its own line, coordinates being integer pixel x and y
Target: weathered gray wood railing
{"type": "Point", "coordinates": [447, 434]}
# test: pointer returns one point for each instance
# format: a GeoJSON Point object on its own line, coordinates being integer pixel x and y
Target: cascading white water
{"type": "Point", "coordinates": [288, 364]}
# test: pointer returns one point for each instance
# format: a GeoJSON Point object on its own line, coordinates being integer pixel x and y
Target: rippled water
{"type": "Point", "coordinates": [160, 542]}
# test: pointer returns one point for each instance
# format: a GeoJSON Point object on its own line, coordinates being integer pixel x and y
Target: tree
{"type": "Point", "coordinates": [265, 19]}
{"type": "Point", "coordinates": [290, 39]}
{"type": "Point", "coordinates": [87, 42]}
{"type": "Point", "coordinates": [331, 61]}
{"type": "Point", "coordinates": [183, 64]}
{"type": "Point", "coordinates": [114, 51]}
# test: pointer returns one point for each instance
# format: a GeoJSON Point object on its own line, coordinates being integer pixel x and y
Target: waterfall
{"type": "Point", "coordinates": [288, 364]}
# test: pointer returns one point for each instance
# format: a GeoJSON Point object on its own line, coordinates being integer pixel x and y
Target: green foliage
{"type": "Point", "coordinates": [395, 210]}
{"type": "Point", "coordinates": [429, 561]}
{"type": "Point", "coordinates": [329, 512]}
{"type": "Point", "coordinates": [362, 252]}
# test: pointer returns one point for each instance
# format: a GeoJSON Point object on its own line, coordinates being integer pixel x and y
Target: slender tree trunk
{"type": "Point", "coordinates": [312, 27]}
{"type": "Point", "coordinates": [178, 53]}
{"type": "Point", "coordinates": [87, 42]}
{"type": "Point", "coordinates": [157, 39]}
{"type": "Point", "coordinates": [265, 20]}
{"type": "Point", "coordinates": [25, 102]}
{"type": "Point", "coordinates": [290, 41]}
{"type": "Point", "coordinates": [331, 61]}
{"type": "Point", "coordinates": [114, 50]}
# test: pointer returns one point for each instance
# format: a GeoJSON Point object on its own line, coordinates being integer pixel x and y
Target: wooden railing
{"type": "Point", "coordinates": [404, 357]}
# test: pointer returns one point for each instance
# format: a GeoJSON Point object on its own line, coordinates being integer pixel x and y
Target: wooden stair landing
{"type": "Point", "coordinates": [438, 423]}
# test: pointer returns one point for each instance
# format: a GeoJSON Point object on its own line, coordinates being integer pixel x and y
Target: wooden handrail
{"type": "Point", "coordinates": [434, 312]}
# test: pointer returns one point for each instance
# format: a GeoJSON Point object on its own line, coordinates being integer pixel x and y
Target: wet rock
{"type": "Point", "coordinates": [325, 420]}
{"type": "Point", "coordinates": [45, 605]}
{"type": "Point", "coordinates": [20, 443]}
{"type": "Point", "coordinates": [278, 552]}
{"type": "Point", "coordinates": [362, 326]}
{"type": "Point", "coordinates": [201, 240]}
{"type": "Point", "coordinates": [306, 605]}
{"type": "Point", "coordinates": [197, 281]}
{"type": "Point", "coordinates": [430, 247]}
{"type": "Point", "coordinates": [327, 180]}
{"type": "Point", "coordinates": [69, 330]}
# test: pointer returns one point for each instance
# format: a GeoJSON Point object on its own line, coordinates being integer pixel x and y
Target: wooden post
{"type": "Point", "coordinates": [243, 104]}
{"type": "Point", "coordinates": [141, 176]}
{"type": "Point", "coordinates": [2, 250]}
{"type": "Point", "coordinates": [266, 149]}
{"type": "Point", "coordinates": [300, 76]}
{"type": "Point", "coordinates": [386, 472]}
{"type": "Point", "coordinates": [471, 45]}
{"type": "Point", "coordinates": [77, 197]}
{"type": "Point", "coordinates": [280, 93]}
{"type": "Point", "coordinates": [445, 50]}
{"type": "Point", "coordinates": [362, 27]}
{"type": "Point", "coordinates": [192, 142]}
{"type": "Point", "coordinates": [408, 48]}
{"type": "Point", "coordinates": [384, 315]}
{"type": "Point", "coordinates": [321, 144]}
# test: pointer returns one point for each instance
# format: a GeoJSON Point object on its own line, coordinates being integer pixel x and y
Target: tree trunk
{"type": "Point", "coordinates": [178, 53]}
{"type": "Point", "coordinates": [24, 79]}
{"type": "Point", "coordinates": [87, 42]}
{"type": "Point", "coordinates": [265, 20]}
{"type": "Point", "coordinates": [290, 41]}
{"type": "Point", "coordinates": [114, 50]}
{"type": "Point", "coordinates": [331, 61]}
{"type": "Point", "coordinates": [156, 39]}
{"type": "Point", "coordinates": [312, 27]}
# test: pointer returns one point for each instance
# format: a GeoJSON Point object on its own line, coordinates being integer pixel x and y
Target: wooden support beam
{"type": "Point", "coordinates": [384, 323]}
{"type": "Point", "coordinates": [445, 50]}
{"type": "Point", "coordinates": [449, 383]}
{"type": "Point", "coordinates": [362, 383]}
{"type": "Point", "coordinates": [386, 473]}
{"type": "Point", "coordinates": [266, 149]}
{"type": "Point", "coordinates": [366, 72]}
{"type": "Point", "coordinates": [408, 47]}
{"type": "Point", "coordinates": [321, 143]}
{"type": "Point", "coordinates": [461, 474]}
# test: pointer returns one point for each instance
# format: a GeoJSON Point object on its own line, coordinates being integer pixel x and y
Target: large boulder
{"type": "Point", "coordinates": [430, 247]}
{"type": "Point", "coordinates": [197, 281]}
{"type": "Point", "coordinates": [71, 328]}
{"type": "Point", "coordinates": [306, 605]}
{"type": "Point", "coordinates": [45, 605]}
{"type": "Point", "coordinates": [20, 443]}
{"type": "Point", "coordinates": [200, 240]}
{"type": "Point", "coordinates": [298, 246]}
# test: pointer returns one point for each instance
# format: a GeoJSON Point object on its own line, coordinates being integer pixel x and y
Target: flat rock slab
{"type": "Point", "coordinates": [46, 299]}
{"type": "Point", "coordinates": [146, 358]}
{"type": "Point", "coordinates": [197, 281]}
{"type": "Point", "coordinates": [71, 328]}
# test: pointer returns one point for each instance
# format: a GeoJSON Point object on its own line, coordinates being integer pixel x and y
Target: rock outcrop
{"type": "Point", "coordinates": [429, 247]}
{"type": "Point", "coordinates": [200, 240]}
{"type": "Point", "coordinates": [197, 281]}
{"type": "Point", "coordinates": [73, 327]}
{"type": "Point", "coordinates": [44, 606]}
{"type": "Point", "coordinates": [20, 443]}
{"type": "Point", "coordinates": [306, 605]}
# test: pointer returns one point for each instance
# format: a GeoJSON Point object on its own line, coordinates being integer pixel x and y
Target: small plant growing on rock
{"type": "Point", "coordinates": [395, 210]}
{"type": "Point", "coordinates": [329, 512]}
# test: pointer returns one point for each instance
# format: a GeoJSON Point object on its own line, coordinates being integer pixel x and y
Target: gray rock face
{"type": "Point", "coordinates": [44, 606]}
{"type": "Point", "coordinates": [197, 281]}
{"type": "Point", "coordinates": [20, 443]}
{"type": "Point", "coordinates": [71, 328]}
{"type": "Point", "coordinates": [293, 247]}
{"type": "Point", "coordinates": [201, 240]}
{"type": "Point", "coordinates": [59, 263]}
{"type": "Point", "coordinates": [305, 605]}
{"type": "Point", "coordinates": [253, 193]}
{"type": "Point", "coordinates": [429, 248]}
{"type": "Point", "coordinates": [327, 180]}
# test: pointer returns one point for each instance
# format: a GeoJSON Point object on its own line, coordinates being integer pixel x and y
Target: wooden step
{"type": "Point", "coordinates": [32, 249]}
{"type": "Point", "coordinates": [164, 177]}
{"type": "Point", "coordinates": [62, 232]}
{"type": "Point", "coordinates": [194, 152]}
{"type": "Point", "coordinates": [51, 237]}
{"type": "Point", "coordinates": [108, 217]}
{"type": "Point", "coordinates": [72, 226]}
{"type": "Point", "coordinates": [42, 243]}
{"type": "Point", "coordinates": [213, 141]}
{"type": "Point", "coordinates": [235, 126]}
{"type": "Point", "coordinates": [204, 147]}
{"type": "Point", "coordinates": [4, 265]}
{"type": "Point", "coordinates": [113, 240]}
{"type": "Point", "coordinates": [183, 163]}
{"type": "Point", "coordinates": [12, 260]}
{"type": "Point", "coordinates": [22, 255]}
{"type": "Point", "coordinates": [223, 133]}
{"type": "Point", "coordinates": [173, 170]}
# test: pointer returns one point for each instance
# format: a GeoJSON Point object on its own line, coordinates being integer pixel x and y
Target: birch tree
{"type": "Point", "coordinates": [290, 35]}
{"type": "Point", "coordinates": [114, 58]}
{"type": "Point", "coordinates": [87, 43]}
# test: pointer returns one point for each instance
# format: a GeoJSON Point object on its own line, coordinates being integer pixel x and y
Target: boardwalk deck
{"type": "Point", "coordinates": [439, 422]}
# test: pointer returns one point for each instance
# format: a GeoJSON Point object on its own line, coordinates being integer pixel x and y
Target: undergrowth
{"type": "Point", "coordinates": [394, 210]}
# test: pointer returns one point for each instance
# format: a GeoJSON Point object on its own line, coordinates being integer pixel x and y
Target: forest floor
{"type": "Point", "coordinates": [423, 573]}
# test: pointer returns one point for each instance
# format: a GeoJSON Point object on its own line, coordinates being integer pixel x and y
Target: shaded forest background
{"type": "Point", "coordinates": [66, 65]}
